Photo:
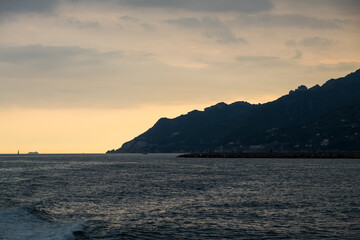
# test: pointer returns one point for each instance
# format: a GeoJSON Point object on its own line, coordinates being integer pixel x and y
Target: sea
{"type": "Point", "coordinates": [160, 196]}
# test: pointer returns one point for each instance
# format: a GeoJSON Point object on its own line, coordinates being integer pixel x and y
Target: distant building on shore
{"type": "Point", "coordinates": [33, 153]}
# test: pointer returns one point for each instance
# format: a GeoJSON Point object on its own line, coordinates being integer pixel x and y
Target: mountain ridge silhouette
{"type": "Point", "coordinates": [317, 119]}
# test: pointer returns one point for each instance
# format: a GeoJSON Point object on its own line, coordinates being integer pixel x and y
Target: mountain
{"type": "Point", "coordinates": [321, 118]}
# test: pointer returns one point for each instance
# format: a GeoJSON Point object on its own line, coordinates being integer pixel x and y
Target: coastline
{"type": "Point", "coordinates": [353, 155]}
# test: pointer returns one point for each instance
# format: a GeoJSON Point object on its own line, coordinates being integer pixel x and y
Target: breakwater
{"type": "Point", "coordinates": [274, 155]}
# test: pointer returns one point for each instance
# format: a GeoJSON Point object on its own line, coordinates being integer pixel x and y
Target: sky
{"type": "Point", "coordinates": [85, 76]}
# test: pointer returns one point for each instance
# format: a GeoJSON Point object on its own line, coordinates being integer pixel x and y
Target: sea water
{"type": "Point", "coordinates": [159, 196]}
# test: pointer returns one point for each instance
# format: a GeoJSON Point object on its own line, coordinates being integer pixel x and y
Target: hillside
{"type": "Point", "coordinates": [321, 118]}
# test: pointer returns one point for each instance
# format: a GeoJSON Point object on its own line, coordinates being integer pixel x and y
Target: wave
{"type": "Point", "coordinates": [20, 224]}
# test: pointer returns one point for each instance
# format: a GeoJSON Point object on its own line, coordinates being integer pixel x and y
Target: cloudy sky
{"type": "Point", "coordinates": [88, 75]}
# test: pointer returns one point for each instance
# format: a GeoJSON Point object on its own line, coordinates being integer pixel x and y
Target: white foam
{"type": "Point", "coordinates": [19, 224]}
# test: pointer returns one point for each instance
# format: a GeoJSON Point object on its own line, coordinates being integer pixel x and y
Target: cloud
{"type": "Point", "coordinates": [48, 76]}
{"type": "Point", "coordinates": [129, 22]}
{"type": "Point", "coordinates": [289, 20]}
{"type": "Point", "coordinates": [316, 42]}
{"type": "Point", "coordinates": [83, 24]}
{"type": "Point", "coordinates": [343, 6]}
{"type": "Point", "coordinates": [47, 6]}
{"type": "Point", "coordinates": [211, 27]}
{"type": "Point", "coordinates": [313, 42]}
{"type": "Point", "coordinates": [203, 5]}
{"type": "Point", "coordinates": [189, 22]}
{"type": "Point", "coordinates": [128, 18]}
{"type": "Point", "coordinates": [291, 43]}
{"type": "Point", "coordinates": [341, 66]}
{"type": "Point", "coordinates": [346, 6]}
{"type": "Point", "coordinates": [262, 62]}
{"type": "Point", "coordinates": [62, 76]}
{"type": "Point", "coordinates": [11, 8]}
{"type": "Point", "coordinates": [47, 60]}
{"type": "Point", "coordinates": [297, 55]}
{"type": "Point", "coordinates": [148, 27]}
{"type": "Point", "coordinates": [27, 6]}
{"type": "Point", "coordinates": [256, 58]}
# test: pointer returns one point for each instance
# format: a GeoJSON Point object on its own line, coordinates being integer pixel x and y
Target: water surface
{"type": "Point", "coordinates": [159, 196]}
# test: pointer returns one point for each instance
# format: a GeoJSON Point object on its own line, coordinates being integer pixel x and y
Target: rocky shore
{"type": "Point", "coordinates": [274, 155]}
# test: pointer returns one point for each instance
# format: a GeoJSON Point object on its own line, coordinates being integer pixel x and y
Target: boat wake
{"type": "Point", "coordinates": [19, 224]}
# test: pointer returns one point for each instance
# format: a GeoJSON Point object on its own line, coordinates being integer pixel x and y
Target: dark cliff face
{"type": "Point", "coordinates": [325, 118]}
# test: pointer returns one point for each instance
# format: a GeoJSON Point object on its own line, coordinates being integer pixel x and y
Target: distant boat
{"type": "Point", "coordinates": [33, 153]}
